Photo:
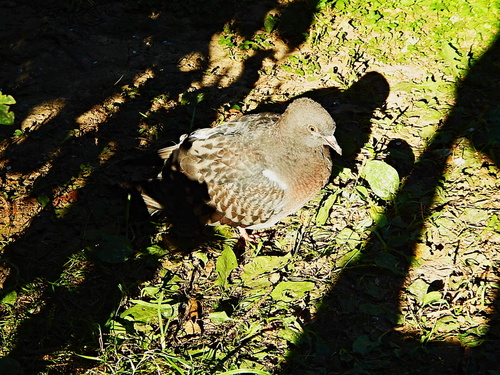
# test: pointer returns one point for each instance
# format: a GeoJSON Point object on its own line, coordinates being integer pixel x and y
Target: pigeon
{"type": "Point", "coordinates": [249, 172]}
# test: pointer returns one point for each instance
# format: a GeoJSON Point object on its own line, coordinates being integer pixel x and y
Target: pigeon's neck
{"type": "Point", "coordinates": [286, 130]}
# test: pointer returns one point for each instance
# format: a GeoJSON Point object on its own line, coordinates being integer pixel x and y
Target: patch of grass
{"type": "Point", "coordinates": [303, 65]}
{"type": "Point", "coordinates": [235, 43]}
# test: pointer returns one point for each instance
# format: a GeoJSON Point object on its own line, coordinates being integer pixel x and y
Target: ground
{"type": "Point", "coordinates": [392, 268]}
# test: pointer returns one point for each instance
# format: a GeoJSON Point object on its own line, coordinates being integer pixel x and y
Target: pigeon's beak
{"type": "Point", "coordinates": [332, 142]}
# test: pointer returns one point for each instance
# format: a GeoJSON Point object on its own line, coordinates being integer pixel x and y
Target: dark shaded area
{"type": "Point", "coordinates": [183, 202]}
{"type": "Point", "coordinates": [339, 342]}
{"type": "Point", "coordinates": [400, 156]}
{"type": "Point", "coordinates": [78, 55]}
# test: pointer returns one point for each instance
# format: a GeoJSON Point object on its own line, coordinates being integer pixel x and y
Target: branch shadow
{"type": "Point", "coordinates": [370, 341]}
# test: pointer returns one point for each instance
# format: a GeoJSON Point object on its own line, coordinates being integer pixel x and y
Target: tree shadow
{"type": "Point", "coordinates": [78, 59]}
{"type": "Point", "coordinates": [369, 341]}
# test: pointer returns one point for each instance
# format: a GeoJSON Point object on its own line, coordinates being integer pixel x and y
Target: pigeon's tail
{"type": "Point", "coordinates": [165, 153]}
{"type": "Point", "coordinates": [152, 204]}
{"type": "Point", "coordinates": [155, 195]}
{"type": "Point", "coordinates": [168, 199]}
{"type": "Point", "coordinates": [147, 192]}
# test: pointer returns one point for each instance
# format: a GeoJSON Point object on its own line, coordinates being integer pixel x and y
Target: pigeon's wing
{"type": "Point", "coordinates": [241, 188]}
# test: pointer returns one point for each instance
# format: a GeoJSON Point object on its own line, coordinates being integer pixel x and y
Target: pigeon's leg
{"type": "Point", "coordinates": [254, 237]}
{"type": "Point", "coordinates": [244, 234]}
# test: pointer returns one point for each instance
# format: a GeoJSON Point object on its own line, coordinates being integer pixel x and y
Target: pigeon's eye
{"type": "Point", "coordinates": [312, 129]}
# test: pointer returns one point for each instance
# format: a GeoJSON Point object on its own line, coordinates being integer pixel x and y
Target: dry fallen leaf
{"type": "Point", "coordinates": [191, 317]}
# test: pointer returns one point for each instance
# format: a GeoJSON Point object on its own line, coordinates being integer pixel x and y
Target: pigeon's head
{"type": "Point", "coordinates": [310, 124]}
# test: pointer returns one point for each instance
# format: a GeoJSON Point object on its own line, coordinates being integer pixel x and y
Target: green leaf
{"type": "Point", "coordinates": [113, 248]}
{"type": "Point", "coordinates": [147, 312]}
{"type": "Point", "coordinates": [156, 250]}
{"type": "Point", "coordinates": [362, 192]}
{"type": "Point", "coordinates": [351, 256]}
{"type": "Point", "coordinates": [6, 117]}
{"type": "Point", "coordinates": [253, 329]}
{"type": "Point", "coordinates": [449, 53]}
{"type": "Point", "coordinates": [270, 22]}
{"type": "Point", "coordinates": [200, 97]}
{"type": "Point", "coordinates": [419, 289]}
{"type": "Point", "coordinates": [404, 86]}
{"type": "Point", "coordinates": [225, 41]}
{"type": "Point", "coordinates": [117, 329]}
{"type": "Point", "coordinates": [471, 340]}
{"type": "Point", "coordinates": [151, 291]}
{"type": "Point", "coordinates": [431, 115]}
{"type": "Point", "coordinates": [428, 132]}
{"type": "Point", "coordinates": [382, 178]}
{"type": "Point", "coordinates": [324, 210]}
{"type": "Point", "coordinates": [447, 324]}
{"type": "Point", "coordinates": [43, 200]}
{"type": "Point", "coordinates": [474, 336]}
{"type": "Point", "coordinates": [201, 256]}
{"type": "Point", "coordinates": [9, 298]}
{"type": "Point", "coordinates": [432, 297]}
{"type": "Point", "coordinates": [7, 99]}
{"type": "Point", "coordinates": [143, 314]}
{"type": "Point", "coordinates": [494, 223]}
{"type": "Point", "coordinates": [476, 215]}
{"type": "Point", "coordinates": [348, 238]}
{"type": "Point", "coordinates": [226, 263]}
{"type": "Point", "coordinates": [377, 214]}
{"type": "Point", "coordinates": [219, 316]}
{"type": "Point", "coordinates": [292, 330]}
{"type": "Point", "coordinates": [364, 345]}
{"type": "Point", "coordinates": [290, 290]}
{"type": "Point", "coordinates": [291, 335]}
{"type": "Point", "coordinates": [445, 226]}
{"type": "Point", "coordinates": [389, 262]}
{"type": "Point", "coordinates": [255, 272]}
{"type": "Point", "coordinates": [373, 17]}
{"type": "Point", "coordinates": [156, 304]}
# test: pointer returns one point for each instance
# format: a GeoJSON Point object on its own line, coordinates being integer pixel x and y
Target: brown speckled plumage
{"type": "Point", "coordinates": [257, 169]}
